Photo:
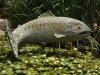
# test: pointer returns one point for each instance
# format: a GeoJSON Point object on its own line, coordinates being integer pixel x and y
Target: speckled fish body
{"type": "Point", "coordinates": [44, 30]}
{"type": "Point", "coordinates": [48, 28]}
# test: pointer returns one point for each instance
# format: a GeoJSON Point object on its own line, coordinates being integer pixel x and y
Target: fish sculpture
{"type": "Point", "coordinates": [47, 28]}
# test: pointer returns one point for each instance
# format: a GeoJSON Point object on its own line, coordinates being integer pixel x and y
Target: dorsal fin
{"type": "Point", "coordinates": [18, 25]}
{"type": "Point", "coordinates": [47, 14]}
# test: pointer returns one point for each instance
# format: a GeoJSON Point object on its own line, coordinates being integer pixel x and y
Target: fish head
{"type": "Point", "coordinates": [77, 29]}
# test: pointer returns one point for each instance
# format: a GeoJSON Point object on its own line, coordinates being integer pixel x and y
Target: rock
{"type": "Point", "coordinates": [2, 33]}
{"type": "Point", "coordinates": [2, 24]}
{"type": "Point", "coordinates": [2, 27]}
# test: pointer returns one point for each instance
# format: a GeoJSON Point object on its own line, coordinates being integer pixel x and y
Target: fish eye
{"type": "Point", "coordinates": [79, 27]}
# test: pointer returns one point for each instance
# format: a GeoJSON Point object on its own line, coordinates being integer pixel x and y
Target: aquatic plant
{"type": "Point", "coordinates": [45, 61]}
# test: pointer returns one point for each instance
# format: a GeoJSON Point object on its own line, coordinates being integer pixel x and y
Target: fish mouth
{"type": "Point", "coordinates": [84, 32]}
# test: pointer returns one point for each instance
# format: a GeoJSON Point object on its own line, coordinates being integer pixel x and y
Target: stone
{"type": "Point", "coordinates": [2, 24]}
{"type": "Point", "coordinates": [2, 33]}
{"type": "Point", "coordinates": [2, 27]}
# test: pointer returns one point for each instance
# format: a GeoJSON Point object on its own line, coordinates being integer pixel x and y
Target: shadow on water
{"type": "Point", "coordinates": [9, 56]}
{"type": "Point", "coordinates": [29, 51]}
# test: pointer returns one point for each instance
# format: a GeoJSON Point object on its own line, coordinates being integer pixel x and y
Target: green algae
{"type": "Point", "coordinates": [46, 62]}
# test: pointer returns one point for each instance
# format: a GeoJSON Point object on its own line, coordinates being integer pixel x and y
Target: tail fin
{"type": "Point", "coordinates": [11, 39]}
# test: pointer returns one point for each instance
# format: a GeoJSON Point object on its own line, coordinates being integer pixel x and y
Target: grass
{"type": "Point", "coordinates": [46, 62]}
{"type": "Point", "coordinates": [22, 11]}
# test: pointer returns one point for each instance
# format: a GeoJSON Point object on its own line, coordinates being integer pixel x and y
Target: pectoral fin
{"type": "Point", "coordinates": [59, 35]}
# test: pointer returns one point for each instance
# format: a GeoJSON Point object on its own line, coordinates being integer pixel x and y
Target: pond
{"type": "Point", "coordinates": [36, 61]}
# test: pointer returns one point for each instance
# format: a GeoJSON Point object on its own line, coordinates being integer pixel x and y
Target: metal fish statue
{"type": "Point", "coordinates": [47, 28]}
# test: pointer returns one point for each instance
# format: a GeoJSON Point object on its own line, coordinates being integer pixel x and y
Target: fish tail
{"type": "Point", "coordinates": [11, 39]}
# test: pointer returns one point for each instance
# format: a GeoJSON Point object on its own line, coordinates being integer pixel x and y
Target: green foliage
{"type": "Point", "coordinates": [21, 11]}
{"type": "Point", "coordinates": [46, 61]}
